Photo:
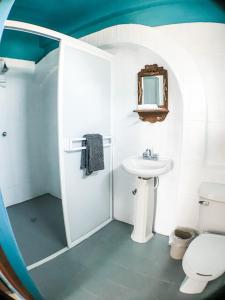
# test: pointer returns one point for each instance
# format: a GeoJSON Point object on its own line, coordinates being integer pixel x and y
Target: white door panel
{"type": "Point", "coordinates": [84, 108]}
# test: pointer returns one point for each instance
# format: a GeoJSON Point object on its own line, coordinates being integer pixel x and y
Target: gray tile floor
{"type": "Point", "coordinates": [38, 227]}
{"type": "Point", "coordinates": [110, 266]}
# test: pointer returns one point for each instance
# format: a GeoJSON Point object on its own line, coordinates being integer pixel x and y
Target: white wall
{"type": "Point", "coordinates": [182, 47]}
{"type": "Point", "coordinates": [28, 114]}
{"type": "Point", "coordinates": [207, 48]}
{"type": "Point", "coordinates": [205, 42]}
{"type": "Point", "coordinates": [16, 173]}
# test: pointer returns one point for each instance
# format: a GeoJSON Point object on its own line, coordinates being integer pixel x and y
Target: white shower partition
{"type": "Point", "coordinates": [84, 107]}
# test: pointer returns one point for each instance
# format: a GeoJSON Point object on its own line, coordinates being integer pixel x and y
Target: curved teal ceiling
{"type": "Point", "coordinates": [78, 18]}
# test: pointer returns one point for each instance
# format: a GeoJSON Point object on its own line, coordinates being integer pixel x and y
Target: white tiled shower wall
{"type": "Point", "coordinates": [29, 153]}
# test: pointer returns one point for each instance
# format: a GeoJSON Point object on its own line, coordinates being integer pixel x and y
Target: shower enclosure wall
{"type": "Point", "coordinates": [46, 108]}
{"type": "Point", "coordinates": [29, 156]}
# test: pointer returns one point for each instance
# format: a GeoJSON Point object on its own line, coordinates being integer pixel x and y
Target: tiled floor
{"type": "Point", "coordinates": [110, 266]}
{"type": "Point", "coordinates": [38, 227]}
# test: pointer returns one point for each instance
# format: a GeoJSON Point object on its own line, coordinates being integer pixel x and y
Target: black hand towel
{"type": "Point", "coordinates": [92, 158]}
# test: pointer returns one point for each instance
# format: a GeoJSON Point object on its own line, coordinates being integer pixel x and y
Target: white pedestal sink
{"type": "Point", "coordinates": [145, 170]}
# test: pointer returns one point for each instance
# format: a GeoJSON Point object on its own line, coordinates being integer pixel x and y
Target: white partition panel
{"type": "Point", "coordinates": [84, 107]}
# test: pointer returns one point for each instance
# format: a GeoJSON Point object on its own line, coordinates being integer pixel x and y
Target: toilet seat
{"type": "Point", "coordinates": [205, 257]}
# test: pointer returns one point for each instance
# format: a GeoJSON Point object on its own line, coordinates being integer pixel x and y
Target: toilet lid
{"type": "Point", "coordinates": [206, 254]}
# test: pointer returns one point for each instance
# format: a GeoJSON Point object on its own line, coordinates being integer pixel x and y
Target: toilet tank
{"type": "Point", "coordinates": [211, 207]}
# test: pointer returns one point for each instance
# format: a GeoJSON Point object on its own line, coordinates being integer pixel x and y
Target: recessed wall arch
{"type": "Point", "coordinates": [193, 102]}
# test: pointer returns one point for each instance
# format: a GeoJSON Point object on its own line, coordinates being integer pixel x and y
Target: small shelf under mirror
{"type": "Point", "coordinates": [152, 115]}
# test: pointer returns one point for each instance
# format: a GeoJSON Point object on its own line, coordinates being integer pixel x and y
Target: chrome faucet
{"type": "Point", "coordinates": [149, 155]}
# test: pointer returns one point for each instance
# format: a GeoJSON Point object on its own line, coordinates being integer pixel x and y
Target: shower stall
{"type": "Point", "coordinates": [46, 107]}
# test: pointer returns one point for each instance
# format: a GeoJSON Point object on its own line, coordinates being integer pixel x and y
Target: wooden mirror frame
{"type": "Point", "coordinates": [153, 115]}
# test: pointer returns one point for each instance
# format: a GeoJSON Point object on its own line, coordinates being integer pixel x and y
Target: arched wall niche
{"type": "Point", "coordinates": [177, 199]}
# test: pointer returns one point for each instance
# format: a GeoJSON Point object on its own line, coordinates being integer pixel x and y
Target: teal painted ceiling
{"type": "Point", "coordinates": [78, 18]}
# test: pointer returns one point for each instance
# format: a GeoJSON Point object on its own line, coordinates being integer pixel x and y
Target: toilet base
{"type": "Point", "coordinates": [192, 286]}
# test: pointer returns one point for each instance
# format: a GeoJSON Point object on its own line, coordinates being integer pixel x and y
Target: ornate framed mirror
{"type": "Point", "coordinates": [152, 93]}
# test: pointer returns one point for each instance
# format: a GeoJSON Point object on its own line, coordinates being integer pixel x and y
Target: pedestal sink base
{"type": "Point", "coordinates": [146, 170]}
{"type": "Point", "coordinates": [138, 239]}
{"type": "Point", "coordinates": [143, 211]}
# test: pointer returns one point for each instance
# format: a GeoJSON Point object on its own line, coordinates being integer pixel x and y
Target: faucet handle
{"type": "Point", "coordinates": [147, 154]}
{"type": "Point", "coordinates": [155, 156]}
{"type": "Point", "coordinates": [147, 151]}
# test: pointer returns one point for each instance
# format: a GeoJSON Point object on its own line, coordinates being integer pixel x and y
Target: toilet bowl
{"type": "Point", "coordinates": [203, 261]}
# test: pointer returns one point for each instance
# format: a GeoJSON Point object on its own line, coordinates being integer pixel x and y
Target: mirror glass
{"type": "Point", "coordinates": [152, 90]}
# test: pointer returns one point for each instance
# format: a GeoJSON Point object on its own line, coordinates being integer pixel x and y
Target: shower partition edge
{"type": "Point", "coordinates": [62, 147]}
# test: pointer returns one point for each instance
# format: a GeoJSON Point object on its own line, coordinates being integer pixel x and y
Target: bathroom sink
{"type": "Point", "coordinates": [145, 189]}
{"type": "Point", "coordinates": [144, 168]}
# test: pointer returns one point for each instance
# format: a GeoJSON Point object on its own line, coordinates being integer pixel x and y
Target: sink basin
{"type": "Point", "coordinates": [140, 167]}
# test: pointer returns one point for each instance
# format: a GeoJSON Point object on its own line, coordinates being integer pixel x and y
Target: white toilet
{"type": "Point", "coordinates": [204, 259]}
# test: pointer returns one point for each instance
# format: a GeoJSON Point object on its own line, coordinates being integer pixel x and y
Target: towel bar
{"type": "Point", "coordinates": [70, 143]}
